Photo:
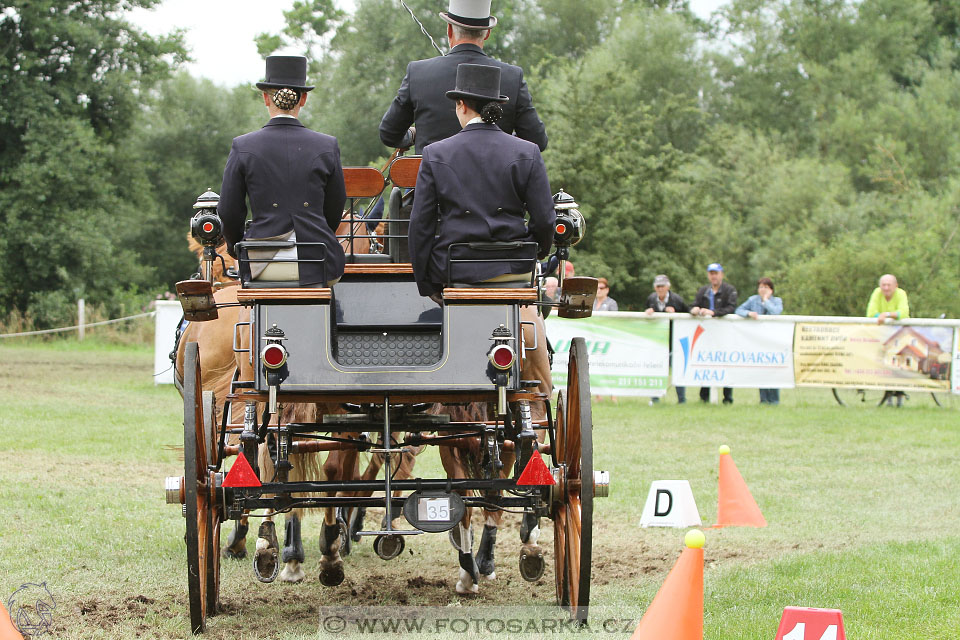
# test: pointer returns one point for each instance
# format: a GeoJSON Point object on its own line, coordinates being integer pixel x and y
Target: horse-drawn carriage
{"type": "Point", "coordinates": [389, 372]}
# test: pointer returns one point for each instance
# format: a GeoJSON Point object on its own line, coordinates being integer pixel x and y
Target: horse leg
{"type": "Point", "coordinates": [488, 540]}
{"type": "Point", "coordinates": [266, 560]}
{"type": "Point", "coordinates": [338, 466]}
{"type": "Point", "coordinates": [292, 555]}
{"type": "Point", "coordinates": [236, 546]}
{"type": "Point", "coordinates": [461, 536]}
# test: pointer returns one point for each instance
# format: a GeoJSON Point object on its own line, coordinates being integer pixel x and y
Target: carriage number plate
{"type": "Point", "coordinates": [434, 509]}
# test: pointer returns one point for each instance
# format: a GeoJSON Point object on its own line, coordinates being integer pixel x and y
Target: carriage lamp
{"type": "Point", "coordinates": [570, 226]}
{"type": "Point", "coordinates": [274, 359]}
{"type": "Point", "coordinates": [206, 226]}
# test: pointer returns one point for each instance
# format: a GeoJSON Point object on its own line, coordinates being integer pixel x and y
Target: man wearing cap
{"type": "Point", "coordinates": [666, 301]}
{"type": "Point", "coordinates": [293, 180]}
{"type": "Point", "coordinates": [420, 100]}
{"type": "Point", "coordinates": [715, 300]}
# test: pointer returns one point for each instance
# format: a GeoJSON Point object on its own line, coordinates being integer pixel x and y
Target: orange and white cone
{"type": "Point", "coordinates": [676, 612]}
{"type": "Point", "coordinates": [7, 630]}
{"type": "Point", "coordinates": [735, 504]}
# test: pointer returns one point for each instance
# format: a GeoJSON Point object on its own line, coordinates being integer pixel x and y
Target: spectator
{"type": "Point", "coordinates": [716, 299]}
{"type": "Point", "coordinates": [889, 301]}
{"type": "Point", "coordinates": [664, 300]}
{"type": "Point", "coordinates": [604, 302]}
{"type": "Point", "coordinates": [763, 303]}
{"type": "Point", "coordinates": [550, 288]}
{"type": "Point", "coordinates": [568, 270]}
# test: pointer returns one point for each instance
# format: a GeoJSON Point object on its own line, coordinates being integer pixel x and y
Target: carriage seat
{"type": "Point", "coordinates": [520, 258]}
{"type": "Point", "coordinates": [280, 271]}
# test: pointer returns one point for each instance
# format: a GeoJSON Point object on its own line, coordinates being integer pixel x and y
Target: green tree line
{"type": "Point", "coordinates": [812, 141]}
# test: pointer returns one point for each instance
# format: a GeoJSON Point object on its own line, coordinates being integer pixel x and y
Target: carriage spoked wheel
{"type": "Point", "coordinates": [203, 515]}
{"type": "Point", "coordinates": [573, 497]}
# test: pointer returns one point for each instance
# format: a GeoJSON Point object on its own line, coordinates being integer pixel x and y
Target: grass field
{"type": "Point", "coordinates": [862, 503]}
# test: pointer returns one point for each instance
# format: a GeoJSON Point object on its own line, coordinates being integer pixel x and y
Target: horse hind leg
{"type": "Point", "coordinates": [488, 541]}
{"type": "Point", "coordinates": [236, 547]}
{"type": "Point", "coordinates": [532, 563]}
{"type": "Point", "coordinates": [331, 564]}
{"type": "Point", "coordinates": [266, 560]}
{"type": "Point", "coordinates": [292, 555]}
{"type": "Point", "coordinates": [461, 537]}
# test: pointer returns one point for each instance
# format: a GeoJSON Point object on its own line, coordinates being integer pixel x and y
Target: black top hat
{"type": "Point", "coordinates": [477, 81]}
{"type": "Point", "coordinates": [286, 71]}
{"type": "Point", "coordinates": [469, 14]}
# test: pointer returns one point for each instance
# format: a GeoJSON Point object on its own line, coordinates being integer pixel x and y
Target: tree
{"type": "Point", "coordinates": [70, 79]}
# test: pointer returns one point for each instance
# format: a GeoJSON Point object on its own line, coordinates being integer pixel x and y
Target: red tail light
{"type": "Point", "coordinates": [273, 356]}
{"type": "Point", "coordinates": [502, 357]}
{"type": "Point", "coordinates": [561, 228]}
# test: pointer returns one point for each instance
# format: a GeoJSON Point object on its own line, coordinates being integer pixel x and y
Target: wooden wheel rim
{"type": "Point", "coordinates": [573, 518]}
{"type": "Point", "coordinates": [202, 524]}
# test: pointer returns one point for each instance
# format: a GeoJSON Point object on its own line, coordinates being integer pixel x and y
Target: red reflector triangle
{"type": "Point", "coordinates": [241, 474]}
{"type": "Point", "coordinates": [535, 473]}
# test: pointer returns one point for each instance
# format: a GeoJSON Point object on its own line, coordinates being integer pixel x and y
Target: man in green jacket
{"type": "Point", "coordinates": [888, 301]}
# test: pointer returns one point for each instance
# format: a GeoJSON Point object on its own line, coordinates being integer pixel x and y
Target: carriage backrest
{"type": "Point", "coordinates": [363, 182]}
{"type": "Point", "coordinates": [403, 171]}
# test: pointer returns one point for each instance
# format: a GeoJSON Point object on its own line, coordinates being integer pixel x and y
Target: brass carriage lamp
{"type": "Point", "coordinates": [569, 228]}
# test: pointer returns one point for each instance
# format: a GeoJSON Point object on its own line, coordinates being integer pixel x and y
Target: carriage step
{"type": "Point", "coordinates": [391, 532]}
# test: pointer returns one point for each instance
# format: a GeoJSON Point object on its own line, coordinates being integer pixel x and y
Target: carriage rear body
{"type": "Point", "coordinates": [373, 346]}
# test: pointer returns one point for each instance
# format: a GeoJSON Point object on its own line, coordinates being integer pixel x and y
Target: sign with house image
{"type": "Point", "coordinates": [869, 356]}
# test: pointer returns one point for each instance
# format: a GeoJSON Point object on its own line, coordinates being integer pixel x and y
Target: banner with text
{"type": "Point", "coordinates": [863, 356]}
{"type": "Point", "coordinates": [733, 354]}
{"type": "Point", "coordinates": [955, 374]}
{"type": "Point", "coordinates": [628, 356]}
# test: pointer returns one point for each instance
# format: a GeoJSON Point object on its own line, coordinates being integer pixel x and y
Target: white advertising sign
{"type": "Point", "coordinates": [955, 374]}
{"type": "Point", "coordinates": [628, 356]}
{"type": "Point", "coordinates": [752, 354]}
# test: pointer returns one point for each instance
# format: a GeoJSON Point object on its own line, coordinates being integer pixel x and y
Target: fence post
{"type": "Point", "coordinates": [80, 320]}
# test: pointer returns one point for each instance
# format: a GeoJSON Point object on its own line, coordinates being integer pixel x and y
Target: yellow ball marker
{"type": "Point", "coordinates": [694, 539]}
{"type": "Point", "coordinates": [724, 450]}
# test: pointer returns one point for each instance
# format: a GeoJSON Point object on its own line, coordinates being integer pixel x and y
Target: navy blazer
{"type": "Point", "coordinates": [421, 99]}
{"type": "Point", "coordinates": [293, 178]}
{"type": "Point", "coordinates": [475, 187]}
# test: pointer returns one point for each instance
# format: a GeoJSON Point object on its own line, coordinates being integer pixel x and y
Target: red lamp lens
{"type": "Point", "coordinates": [208, 226]}
{"type": "Point", "coordinates": [274, 355]}
{"type": "Point", "coordinates": [502, 357]}
{"type": "Point", "coordinates": [561, 228]}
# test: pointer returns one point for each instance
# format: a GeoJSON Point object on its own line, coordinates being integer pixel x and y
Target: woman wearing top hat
{"type": "Point", "coordinates": [293, 179]}
{"type": "Point", "coordinates": [480, 182]}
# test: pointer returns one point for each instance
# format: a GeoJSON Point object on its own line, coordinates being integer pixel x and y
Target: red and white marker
{"type": "Point", "coordinates": [809, 623]}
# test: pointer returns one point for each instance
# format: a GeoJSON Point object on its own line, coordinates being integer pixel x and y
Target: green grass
{"type": "Point", "coordinates": [861, 502]}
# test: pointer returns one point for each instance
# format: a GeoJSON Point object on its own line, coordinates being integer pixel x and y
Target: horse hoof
{"type": "Point", "coordinates": [231, 554]}
{"type": "Point", "coordinates": [388, 547]}
{"type": "Point", "coordinates": [489, 576]}
{"type": "Point", "coordinates": [331, 576]}
{"type": "Point", "coordinates": [266, 562]}
{"type": "Point", "coordinates": [532, 564]}
{"type": "Point", "coordinates": [292, 576]}
{"type": "Point", "coordinates": [465, 590]}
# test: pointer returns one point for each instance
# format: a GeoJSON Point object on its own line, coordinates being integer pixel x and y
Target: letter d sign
{"type": "Point", "coordinates": [659, 509]}
{"type": "Point", "coordinates": [670, 504]}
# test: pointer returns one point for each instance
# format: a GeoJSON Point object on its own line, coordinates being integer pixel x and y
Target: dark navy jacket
{"type": "Point", "coordinates": [293, 178]}
{"type": "Point", "coordinates": [478, 183]}
{"type": "Point", "coordinates": [421, 99]}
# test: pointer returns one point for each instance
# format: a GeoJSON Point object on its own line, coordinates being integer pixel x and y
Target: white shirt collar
{"type": "Point", "coordinates": [284, 115]}
{"type": "Point", "coordinates": [477, 120]}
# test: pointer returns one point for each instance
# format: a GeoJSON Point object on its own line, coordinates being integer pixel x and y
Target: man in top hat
{"type": "Point", "coordinates": [293, 180]}
{"type": "Point", "coordinates": [420, 100]}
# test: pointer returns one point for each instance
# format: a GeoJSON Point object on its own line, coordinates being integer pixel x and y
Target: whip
{"type": "Point", "coordinates": [422, 28]}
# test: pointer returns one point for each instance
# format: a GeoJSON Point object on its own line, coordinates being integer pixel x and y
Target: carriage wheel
{"type": "Point", "coordinates": [202, 513]}
{"type": "Point", "coordinates": [573, 508]}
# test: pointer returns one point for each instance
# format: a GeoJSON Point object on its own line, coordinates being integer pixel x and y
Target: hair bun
{"type": "Point", "coordinates": [491, 112]}
{"type": "Point", "coordinates": [286, 98]}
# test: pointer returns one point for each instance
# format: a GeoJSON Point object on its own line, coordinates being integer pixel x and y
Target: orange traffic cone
{"type": "Point", "coordinates": [735, 504]}
{"type": "Point", "coordinates": [676, 612]}
{"type": "Point", "coordinates": [7, 630]}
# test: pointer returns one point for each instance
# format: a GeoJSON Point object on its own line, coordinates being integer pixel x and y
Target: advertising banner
{"type": "Point", "coordinates": [955, 374]}
{"type": "Point", "coordinates": [627, 356]}
{"type": "Point", "coordinates": [711, 353]}
{"type": "Point", "coordinates": [870, 356]}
